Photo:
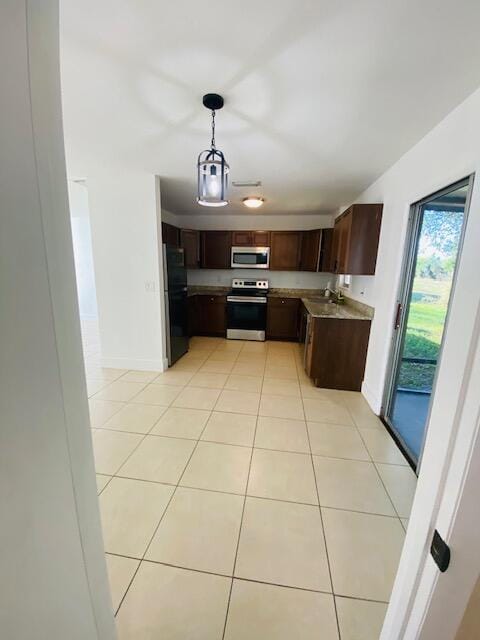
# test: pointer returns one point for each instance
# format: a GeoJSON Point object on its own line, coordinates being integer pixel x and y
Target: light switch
{"type": "Point", "coordinates": [149, 286]}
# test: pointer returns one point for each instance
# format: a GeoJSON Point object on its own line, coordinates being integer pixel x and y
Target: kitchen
{"type": "Point", "coordinates": [332, 327]}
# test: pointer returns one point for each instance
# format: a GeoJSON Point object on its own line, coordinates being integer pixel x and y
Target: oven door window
{"type": "Point", "coordinates": [252, 259]}
{"type": "Point", "coordinates": [246, 315]}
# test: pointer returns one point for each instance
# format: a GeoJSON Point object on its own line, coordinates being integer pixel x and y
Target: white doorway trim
{"type": "Point", "coordinates": [451, 459]}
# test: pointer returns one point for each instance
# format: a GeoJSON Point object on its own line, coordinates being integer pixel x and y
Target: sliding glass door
{"type": "Point", "coordinates": [432, 252]}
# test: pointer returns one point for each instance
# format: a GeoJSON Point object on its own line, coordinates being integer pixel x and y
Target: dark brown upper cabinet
{"type": "Point", "coordinates": [285, 250]}
{"type": "Point", "coordinates": [216, 249]}
{"type": "Point", "coordinates": [326, 246]}
{"type": "Point", "coordinates": [310, 250]}
{"type": "Point", "coordinates": [355, 240]}
{"type": "Point", "coordinates": [251, 238]}
{"type": "Point", "coordinates": [190, 241]}
{"type": "Point", "coordinates": [261, 238]}
{"type": "Point", "coordinates": [170, 235]}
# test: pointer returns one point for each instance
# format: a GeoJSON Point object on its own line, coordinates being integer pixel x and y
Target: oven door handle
{"type": "Point", "coordinates": [248, 299]}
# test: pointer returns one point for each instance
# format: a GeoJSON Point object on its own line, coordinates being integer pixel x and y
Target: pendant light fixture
{"type": "Point", "coordinates": [212, 169]}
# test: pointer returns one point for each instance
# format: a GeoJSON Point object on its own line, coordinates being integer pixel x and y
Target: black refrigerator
{"type": "Point", "coordinates": [175, 285]}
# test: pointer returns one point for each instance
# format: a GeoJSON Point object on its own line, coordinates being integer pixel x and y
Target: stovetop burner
{"type": "Point", "coordinates": [249, 287]}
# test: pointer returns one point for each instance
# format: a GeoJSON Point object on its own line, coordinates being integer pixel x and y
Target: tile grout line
{"type": "Point", "coordinates": [256, 581]}
{"type": "Point", "coordinates": [159, 522]}
{"type": "Point", "coordinates": [245, 495]}
{"type": "Point", "coordinates": [138, 566]}
{"type": "Point", "coordinates": [376, 469]}
{"type": "Point", "coordinates": [251, 495]}
{"type": "Point", "coordinates": [322, 525]}
{"type": "Point", "coordinates": [246, 446]}
{"type": "Point", "coordinates": [241, 521]}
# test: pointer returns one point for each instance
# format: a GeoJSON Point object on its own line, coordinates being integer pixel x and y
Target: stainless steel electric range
{"type": "Point", "coordinates": [247, 310]}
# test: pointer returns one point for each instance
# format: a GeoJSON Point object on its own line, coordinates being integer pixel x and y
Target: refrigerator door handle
{"type": "Point", "coordinates": [167, 329]}
{"type": "Point", "coordinates": [165, 270]}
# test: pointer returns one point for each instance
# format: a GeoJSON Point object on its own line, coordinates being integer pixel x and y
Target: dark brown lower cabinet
{"type": "Point", "coordinates": [282, 318]}
{"type": "Point", "coordinates": [336, 351]}
{"type": "Point", "coordinates": [192, 315]}
{"type": "Point", "coordinates": [211, 315]}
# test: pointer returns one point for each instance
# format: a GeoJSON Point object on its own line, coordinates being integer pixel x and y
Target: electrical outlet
{"type": "Point", "coordinates": [149, 286]}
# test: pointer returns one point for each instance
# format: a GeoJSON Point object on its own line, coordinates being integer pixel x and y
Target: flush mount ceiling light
{"type": "Point", "coordinates": [253, 202]}
{"type": "Point", "coordinates": [212, 168]}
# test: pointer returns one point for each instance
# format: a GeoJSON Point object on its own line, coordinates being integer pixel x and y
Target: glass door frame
{"type": "Point", "coordinates": [406, 282]}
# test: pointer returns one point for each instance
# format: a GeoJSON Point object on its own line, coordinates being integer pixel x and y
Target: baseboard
{"type": "Point", "coordinates": [373, 400]}
{"type": "Point", "coordinates": [136, 365]}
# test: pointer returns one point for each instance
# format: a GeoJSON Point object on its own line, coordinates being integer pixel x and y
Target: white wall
{"type": "Point", "coordinates": [82, 248]}
{"type": "Point", "coordinates": [255, 221]}
{"type": "Point", "coordinates": [123, 216]}
{"type": "Point", "coordinates": [277, 279]}
{"type": "Point", "coordinates": [448, 153]}
{"type": "Point", "coordinates": [52, 565]}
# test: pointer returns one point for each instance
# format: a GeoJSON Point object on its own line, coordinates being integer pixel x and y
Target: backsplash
{"type": "Point", "coordinates": [277, 279]}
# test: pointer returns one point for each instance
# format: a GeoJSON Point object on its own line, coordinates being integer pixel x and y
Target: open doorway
{"type": "Point", "coordinates": [432, 252]}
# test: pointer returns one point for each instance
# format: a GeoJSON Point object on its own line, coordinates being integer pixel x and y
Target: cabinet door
{"type": "Point", "coordinates": [326, 262]}
{"type": "Point", "coordinates": [310, 250]}
{"type": "Point", "coordinates": [216, 249]}
{"type": "Point", "coordinates": [339, 352]}
{"type": "Point", "coordinates": [242, 239]}
{"type": "Point", "coordinates": [211, 315]}
{"type": "Point", "coordinates": [192, 311]}
{"type": "Point", "coordinates": [344, 226]}
{"type": "Point", "coordinates": [170, 235]}
{"type": "Point", "coordinates": [282, 318]}
{"type": "Point", "coordinates": [285, 250]}
{"type": "Point", "coordinates": [335, 247]}
{"type": "Point", "coordinates": [364, 238]}
{"type": "Point", "coordinates": [261, 238]}
{"type": "Point", "coordinates": [308, 353]}
{"type": "Point", "coordinates": [190, 240]}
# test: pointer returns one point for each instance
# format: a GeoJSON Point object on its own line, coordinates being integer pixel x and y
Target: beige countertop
{"type": "Point", "coordinates": [311, 298]}
{"type": "Point", "coordinates": [332, 310]}
{"type": "Point", "coordinates": [294, 293]}
{"type": "Point", "coordinates": [207, 291]}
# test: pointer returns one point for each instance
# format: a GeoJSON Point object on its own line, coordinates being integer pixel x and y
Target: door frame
{"type": "Point", "coordinates": [446, 498]}
{"type": "Point", "coordinates": [415, 219]}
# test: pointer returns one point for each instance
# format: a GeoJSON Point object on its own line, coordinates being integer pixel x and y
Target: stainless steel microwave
{"type": "Point", "coordinates": [250, 257]}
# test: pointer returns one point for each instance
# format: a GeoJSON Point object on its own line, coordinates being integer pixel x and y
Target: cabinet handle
{"type": "Point", "coordinates": [283, 301]}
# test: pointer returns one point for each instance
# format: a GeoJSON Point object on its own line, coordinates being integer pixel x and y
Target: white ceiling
{"type": "Point", "coordinates": [321, 97]}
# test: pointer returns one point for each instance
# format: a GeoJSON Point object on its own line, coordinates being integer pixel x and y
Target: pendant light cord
{"type": "Point", "coordinates": [213, 129]}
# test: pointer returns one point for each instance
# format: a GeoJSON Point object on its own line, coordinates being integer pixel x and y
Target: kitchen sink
{"type": "Point", "coordinates": [322, 300]}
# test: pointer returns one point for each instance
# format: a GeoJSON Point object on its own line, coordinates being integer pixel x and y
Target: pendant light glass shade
{"type": "Point", "coordinates": [212, 169]}
{"type": "Point", "coordinates": [212, 178]}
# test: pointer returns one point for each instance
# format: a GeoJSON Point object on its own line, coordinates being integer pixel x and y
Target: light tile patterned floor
{"type": "Point", "coordinates": [240, 502]}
